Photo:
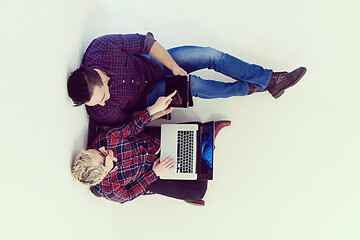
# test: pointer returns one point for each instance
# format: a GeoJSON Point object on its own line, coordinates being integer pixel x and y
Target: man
{"type": "Point", "coordinates": [123, 163]}
{"type": "Point", "coordinates": [121, 74]}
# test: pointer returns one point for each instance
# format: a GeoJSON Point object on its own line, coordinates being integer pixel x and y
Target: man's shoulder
{"type": "Point", "coordinates": [110, 114]}
{"type": "Point", "coordinates": [105, 41]}
{"type": "Point", "coordinates": [98, 45]}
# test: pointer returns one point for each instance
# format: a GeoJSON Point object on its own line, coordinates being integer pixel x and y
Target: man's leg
{"type": "Point", "coordinates": [209, 89]}
{"type": "Point", "coordinates": [192, 58]}
{"type": "Point", "coordinates": [251, 78]}
{"type": "Point", "coordinates": [184, 190]}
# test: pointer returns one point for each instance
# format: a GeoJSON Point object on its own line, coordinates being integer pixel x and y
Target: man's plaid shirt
{"type": "Point", "coordinates": [135, 151]}
{"type": "Point", "coordinates": [133, 75]}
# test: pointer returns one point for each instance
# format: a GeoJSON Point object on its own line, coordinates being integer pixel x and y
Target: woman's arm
{"type": "Point", "coordinates": [127, 193]}
{"type": "Point", "coordinates": [140, 121]}
{"type": "Point", "coordinates": [138, 187]}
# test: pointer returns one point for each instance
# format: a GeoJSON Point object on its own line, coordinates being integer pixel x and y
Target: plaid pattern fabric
{"type": "Point", "coordinates": [133, 74]}
{"type": "Point", "coordinates": [135, 151]}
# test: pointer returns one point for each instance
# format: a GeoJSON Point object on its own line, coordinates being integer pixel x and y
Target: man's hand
{"type": "Point", "coordinates": [178, 71]}
{"type": "Point", "coordinates": [161, 167]}
{"type": "Point", "coordinates": [162, 55]}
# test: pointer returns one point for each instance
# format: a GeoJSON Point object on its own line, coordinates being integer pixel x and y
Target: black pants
{"type": "Point", "coordinates": [180, 189]}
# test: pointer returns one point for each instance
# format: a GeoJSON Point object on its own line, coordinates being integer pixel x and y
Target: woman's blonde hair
{"type": "Point", "coordinates": [86, 169]}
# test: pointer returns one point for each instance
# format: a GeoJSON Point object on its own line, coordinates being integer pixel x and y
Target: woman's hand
{"type": "Point", "coordinates": [161, 167]}
{"type": "Point", "coordinates": [161, 104]}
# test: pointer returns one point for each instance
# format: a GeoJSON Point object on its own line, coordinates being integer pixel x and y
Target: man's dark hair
{"type": "Point", "coordinates": [81, 83]}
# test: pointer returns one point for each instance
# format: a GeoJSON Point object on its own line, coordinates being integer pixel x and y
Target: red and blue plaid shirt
{"type": "Point", "coordinates": [134, 75]}
{"type": "Point", "coordinates": [135, 151]}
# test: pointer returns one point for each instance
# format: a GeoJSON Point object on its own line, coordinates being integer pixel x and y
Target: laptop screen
{"type": "Point", "coordinates": [207, 137]}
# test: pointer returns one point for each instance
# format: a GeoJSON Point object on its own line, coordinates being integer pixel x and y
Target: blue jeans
{"type": "Point", "coordinates": [191, 58]}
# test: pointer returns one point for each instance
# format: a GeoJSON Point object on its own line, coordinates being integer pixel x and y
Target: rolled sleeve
{"type": "Point", "coordinates": [148, 43]}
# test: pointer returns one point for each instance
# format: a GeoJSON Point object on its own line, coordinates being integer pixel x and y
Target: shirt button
{"type": "Point", "coordinates": [147, 154]}
{"type": "Point", "coordinates": [132, 81]}
{"type": "Point", "coordinates": [123, 80]}
{"type": "Point", "coordinates": [145, 81]}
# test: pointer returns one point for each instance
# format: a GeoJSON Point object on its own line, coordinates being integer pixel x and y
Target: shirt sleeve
{"type": "Point", "coordinates": [131, 43]}
{"type": "Point", "coordinates": [123, 194]}
{"type": "Point", "coordinates": [132, 128]}
{"type": "Point", "coordinates": [148, 43]}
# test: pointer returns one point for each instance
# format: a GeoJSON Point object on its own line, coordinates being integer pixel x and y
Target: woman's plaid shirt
{"type": "Point", "coordinates": [135, 151]}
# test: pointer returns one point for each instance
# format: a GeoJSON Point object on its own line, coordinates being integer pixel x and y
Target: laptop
{"type": "Point", "coordinates": [192, 148]}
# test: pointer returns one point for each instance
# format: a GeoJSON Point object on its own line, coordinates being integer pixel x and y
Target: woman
{"type": "Point", "coordinates": [123, 162]}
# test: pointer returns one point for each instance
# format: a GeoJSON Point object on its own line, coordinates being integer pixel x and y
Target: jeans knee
{"type": "Point", "coordinates": [214, 55]}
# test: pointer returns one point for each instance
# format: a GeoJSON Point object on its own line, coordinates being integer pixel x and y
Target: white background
{"type": "Point", "coordinates": [286, 169]}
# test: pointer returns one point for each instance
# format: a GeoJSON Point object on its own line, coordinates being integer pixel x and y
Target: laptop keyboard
{"type": "Point", "coordinates": [185, 152]}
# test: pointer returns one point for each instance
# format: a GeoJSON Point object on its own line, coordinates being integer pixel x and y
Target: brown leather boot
{"type": "Point", "coordinates": [252, 89]}
{"type": "Point", "coordinates": [280, 81]}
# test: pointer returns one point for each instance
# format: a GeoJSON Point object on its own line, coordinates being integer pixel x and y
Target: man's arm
{"type": "Point", "coordinates": [162, 55]}
{"type": "Point", "coordinates": [129, 43]}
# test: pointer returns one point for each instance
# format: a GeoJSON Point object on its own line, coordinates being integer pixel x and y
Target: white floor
{"type": "Point", "coordinates": [285, 169]}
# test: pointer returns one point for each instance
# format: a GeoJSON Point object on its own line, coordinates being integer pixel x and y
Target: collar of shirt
{"type": "Point", "coordinates": [115, 166]}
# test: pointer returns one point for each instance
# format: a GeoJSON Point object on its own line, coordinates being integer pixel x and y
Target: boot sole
{"type": "Point", "coordinates": [278, 94]}
{"type": "Point", "coordinates": [199, 203]}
